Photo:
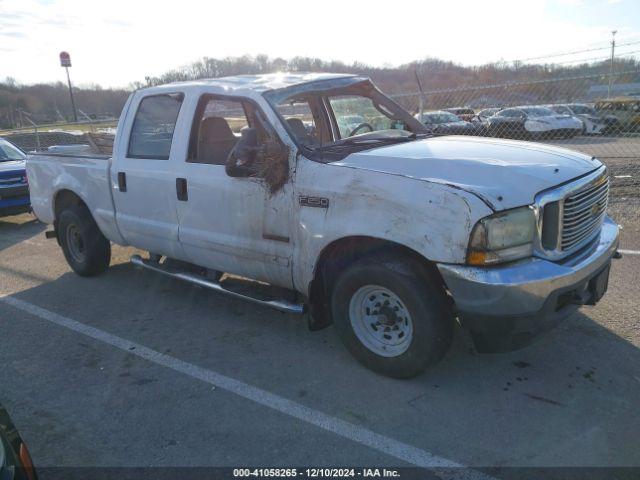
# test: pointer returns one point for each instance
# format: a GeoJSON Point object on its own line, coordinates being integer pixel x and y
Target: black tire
{"type": "Point", "coordinates": [92, 257]}
{"type": "Point", "coordinates": [425, 300]}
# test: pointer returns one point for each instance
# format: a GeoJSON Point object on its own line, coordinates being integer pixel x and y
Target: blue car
{"type": "Point", "coordinates": [14, 188]}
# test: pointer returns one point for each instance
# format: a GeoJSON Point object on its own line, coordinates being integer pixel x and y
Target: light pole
{"type": "Point", "coordinates": [65, 61]}
{"type": "Point", "coordinates": [613, 48]}
{"type": "Point", "coordinates": [421, 99]}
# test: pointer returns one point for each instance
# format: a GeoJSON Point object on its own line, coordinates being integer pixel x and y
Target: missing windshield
{"type": "Point", "coordinates": [349, 114]}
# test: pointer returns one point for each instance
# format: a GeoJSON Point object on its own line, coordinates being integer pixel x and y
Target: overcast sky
{"type": "Point", "coordinates": [115, 42]}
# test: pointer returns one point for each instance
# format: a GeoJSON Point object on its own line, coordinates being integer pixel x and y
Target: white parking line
{"type": "Point", "coordinates": [363, 436]}
{"type": "Point", "coordinates": [630, 252]}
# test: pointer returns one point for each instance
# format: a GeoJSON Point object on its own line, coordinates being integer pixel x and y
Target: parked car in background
{"type": "Point", "coordinates": [592, 122]}
{"type": "Point", "coordinates": [442, 122]}
{"type": "Point", "coordinates": [15, 461]}
{"type": "Point", "coordinates": [625, 109]}
{"type": "Point", "coordinates": [485, 113]}
{"type": "Point", "coordinates": [532, 122]}
{"type": "Point", "coordinates": [14, 188]}
{"type": "Point", "coordinates": [463, 113]}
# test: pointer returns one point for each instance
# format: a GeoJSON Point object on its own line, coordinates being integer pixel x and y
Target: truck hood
{"type": "Point", "coordinates": [505, 174]}
{"type": "Point", "coordinates": [12, 165]}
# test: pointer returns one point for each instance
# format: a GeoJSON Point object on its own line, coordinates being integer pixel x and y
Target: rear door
{"type": "Point", "coordinates": [143, 176]}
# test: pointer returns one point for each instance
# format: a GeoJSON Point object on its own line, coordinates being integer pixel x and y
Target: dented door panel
{"type": "Point", "coordinates": [224, 222]}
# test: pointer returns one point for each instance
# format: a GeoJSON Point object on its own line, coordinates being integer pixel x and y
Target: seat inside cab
{"type": "Point", "coordinates": [215, 141]}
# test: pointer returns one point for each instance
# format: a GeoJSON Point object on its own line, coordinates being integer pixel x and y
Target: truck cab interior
{"type": "Point", "coordinates": [331, 111]}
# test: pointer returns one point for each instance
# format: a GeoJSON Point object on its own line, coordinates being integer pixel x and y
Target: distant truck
{"type": "Point", "coordinates": [14, 188]}
{"type": "Point", "coordinates": [382, 230]}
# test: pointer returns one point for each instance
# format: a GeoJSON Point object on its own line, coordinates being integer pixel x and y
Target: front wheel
{"type": "Point", "coordinates": [393, 319]}
{"type": "Point", "coordinates": [86, 249]}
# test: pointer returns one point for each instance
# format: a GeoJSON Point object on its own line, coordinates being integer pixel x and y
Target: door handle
{"type": "Point", "coordinates": [181, 189]}
{"type": "Point", "coordinates": [122, 181]}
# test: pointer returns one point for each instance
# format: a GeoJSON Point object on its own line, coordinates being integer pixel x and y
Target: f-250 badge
{"type": "Point", "coordinates": [318, 202]}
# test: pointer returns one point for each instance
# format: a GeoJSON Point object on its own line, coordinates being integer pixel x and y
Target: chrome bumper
{"type": "Point", "coordinates": [529, 291]}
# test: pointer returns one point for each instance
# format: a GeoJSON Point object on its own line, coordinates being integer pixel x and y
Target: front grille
{"type": "Point", "coordinates": [583, 212]}
{"type": "Point", "coordinates": [10, 181]}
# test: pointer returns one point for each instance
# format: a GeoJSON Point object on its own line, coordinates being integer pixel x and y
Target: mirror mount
{"type": "Point", "coordinates": [268, 160]}
{"type": "Point", "coordinates": [243, 155]}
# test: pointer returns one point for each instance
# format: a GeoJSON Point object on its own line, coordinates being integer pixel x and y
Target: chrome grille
{"type": "Point", "coordinates": [583, 212]}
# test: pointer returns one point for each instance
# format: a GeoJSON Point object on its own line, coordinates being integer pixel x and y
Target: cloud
{"type": "Point", "coordinates": [149, 39]}
{"type": "Point", "coordinates": [115, 22]}
{"type": "Point", "coordinates": [11, 34]}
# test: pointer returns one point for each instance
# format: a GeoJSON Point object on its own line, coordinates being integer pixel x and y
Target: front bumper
{"type": "Point", "coordinates": [594, 128]}
{"type": "Point", "coordinates": [14, 200]}
{"type": "Point", "coordinates": [535, 127]}
{"type": "Point", "coordinates": [506, 307]}
{"type": "Point", "coordinates": [14, 210]}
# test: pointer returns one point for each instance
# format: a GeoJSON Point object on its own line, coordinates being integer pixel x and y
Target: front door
{"type": "Point", "coordinates": [231, 224]}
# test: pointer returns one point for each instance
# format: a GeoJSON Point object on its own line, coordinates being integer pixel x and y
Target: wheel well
{"type": "Point", "coordinates": [64, 199]}
{"type": "Point", "coordinates": [339, 254]}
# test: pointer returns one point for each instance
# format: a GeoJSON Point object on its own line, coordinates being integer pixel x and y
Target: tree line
{"type": "Point", "coordinates": [45, 103]}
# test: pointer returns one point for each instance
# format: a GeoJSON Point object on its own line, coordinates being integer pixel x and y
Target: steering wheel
{"type": "Point", "coordinates": [360, 127]}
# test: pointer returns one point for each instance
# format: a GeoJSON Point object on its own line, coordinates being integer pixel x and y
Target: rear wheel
{"type": "Point", "coordinates": [393, 319]}
{"type": "Point", "coordinates": [86, 249]}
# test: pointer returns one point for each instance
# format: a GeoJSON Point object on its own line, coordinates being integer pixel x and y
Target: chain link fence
{"type": "Point", "coordinates": [594, 114]}
{"type": "Point", "coordinates": [598, 115]}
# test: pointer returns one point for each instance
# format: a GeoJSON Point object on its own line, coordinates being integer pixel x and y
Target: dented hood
{"type": "Point", "coordinates": [504, 173]}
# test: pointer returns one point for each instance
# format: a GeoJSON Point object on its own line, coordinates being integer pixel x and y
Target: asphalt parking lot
{"type": "Point", "coordinates": [132, 369]}
{"type": "Point", "coordinates": [626, 144]}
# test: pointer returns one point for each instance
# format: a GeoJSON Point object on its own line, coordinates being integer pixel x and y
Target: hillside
{"type": "Point", "coordinates": [46, 103]}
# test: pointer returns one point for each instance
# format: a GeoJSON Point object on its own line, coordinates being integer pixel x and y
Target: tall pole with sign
{"type": "Point", "coordinates": [65, 61]}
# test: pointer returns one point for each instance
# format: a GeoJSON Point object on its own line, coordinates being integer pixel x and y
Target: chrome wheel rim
{"type": "Point", "coordinates": [75, 244]}
{"type": "Point", "coordinates": [381, 321]}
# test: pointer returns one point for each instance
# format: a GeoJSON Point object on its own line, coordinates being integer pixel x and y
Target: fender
{"type": "Point", "coordinates": [100, 208]}
{"type": "Point", "coordinates": [429, 218]}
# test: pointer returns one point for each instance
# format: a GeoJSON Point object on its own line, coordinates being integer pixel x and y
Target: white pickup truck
{"type": "Point", "coordinates": [323, 186]}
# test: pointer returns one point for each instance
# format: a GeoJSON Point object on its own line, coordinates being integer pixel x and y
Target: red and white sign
{"type": "Point", "coordinates": [65, 59]}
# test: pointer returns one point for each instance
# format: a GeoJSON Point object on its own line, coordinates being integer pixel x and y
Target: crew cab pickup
{"type": "Point", "coordinates": [373, 225]}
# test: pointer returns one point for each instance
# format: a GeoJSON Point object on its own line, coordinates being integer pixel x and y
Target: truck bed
{"type": "Point", "coordinates": [80, 171]}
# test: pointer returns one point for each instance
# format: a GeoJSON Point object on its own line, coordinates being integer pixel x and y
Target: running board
{"type": "Point", "coordinates": [281, 305]}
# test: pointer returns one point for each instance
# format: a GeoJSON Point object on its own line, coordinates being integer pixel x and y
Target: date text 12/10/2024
{"type": "Point", "coordinates": [315, 472]}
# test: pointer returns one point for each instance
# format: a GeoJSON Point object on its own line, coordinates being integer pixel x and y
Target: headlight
{"type": "Point", "coordinates": [502, 237]}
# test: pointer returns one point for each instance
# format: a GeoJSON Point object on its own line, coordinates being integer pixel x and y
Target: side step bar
{"type": "Point", "coordinates": [281, 305]}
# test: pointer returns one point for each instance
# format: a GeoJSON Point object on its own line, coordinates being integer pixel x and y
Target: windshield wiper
{"type": "Point", "coordinates": [364, 142]}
